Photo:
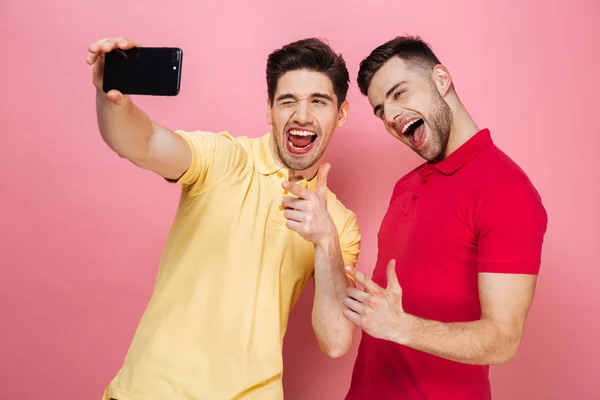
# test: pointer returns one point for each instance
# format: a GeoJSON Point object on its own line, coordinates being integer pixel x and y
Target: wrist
{"type": "Point", "coordinates": [407, 327]}
{"type": "Point", "coordinates": [329, 241]}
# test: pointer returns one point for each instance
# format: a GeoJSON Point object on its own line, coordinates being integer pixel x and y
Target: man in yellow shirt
{"type": "Point", "coordinates": [255, 222]}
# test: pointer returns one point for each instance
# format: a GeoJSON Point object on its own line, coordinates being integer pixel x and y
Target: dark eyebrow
{"type": "Point", "coordinates": [387, 95]}
{"type": "Point", "coordinates": [323, 96]}
{"type": "Point", "coordinates": [286, 96]}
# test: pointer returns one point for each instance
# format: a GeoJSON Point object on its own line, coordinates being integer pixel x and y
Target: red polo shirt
{"type": "Point", "coordinates": [474, 212]}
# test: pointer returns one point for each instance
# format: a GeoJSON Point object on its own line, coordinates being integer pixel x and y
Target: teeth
{"type": "Point", "coordinates": [302, 133]}
{"type": "Point", "coordinates": [409, 124]}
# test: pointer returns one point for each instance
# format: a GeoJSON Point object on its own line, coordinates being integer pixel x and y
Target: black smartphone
{"type": "Point", "coordinates": [152, 71]}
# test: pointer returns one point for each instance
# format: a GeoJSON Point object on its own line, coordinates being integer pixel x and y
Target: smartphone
{"type": "Point", "coordinates": [151, 71]}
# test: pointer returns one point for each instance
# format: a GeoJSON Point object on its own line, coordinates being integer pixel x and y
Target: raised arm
{"type": "Point", "coordinates": [308, 215]}
{"type": "Point", "coordinates": [127, 130]}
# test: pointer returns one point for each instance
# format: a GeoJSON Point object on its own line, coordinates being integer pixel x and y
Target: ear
{"type": "Point", "coordinates": [343, 114]}
{"type": "Point", "coordinates": [269, 115]}
{"type": "Point", "coordinates": [443, 80]}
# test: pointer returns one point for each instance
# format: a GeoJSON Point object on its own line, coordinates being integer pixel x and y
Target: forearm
{"type": "Point", "coordinates": [333, 331]}
{"type": "Point", "coordinates": [482, 342]}
{"type": "Point", "coordinates": [125, 128]}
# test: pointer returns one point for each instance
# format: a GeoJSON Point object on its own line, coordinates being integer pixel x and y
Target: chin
{"type": "Point", "coordinates": [431, 155]}
{"type": "Point", "coordinates": [298, 163]}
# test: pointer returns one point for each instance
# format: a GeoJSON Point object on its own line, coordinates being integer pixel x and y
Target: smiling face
{"type": "Point", "coordinates": [304, 113]}
{"type": "Point", "coordinates": [409, 103]}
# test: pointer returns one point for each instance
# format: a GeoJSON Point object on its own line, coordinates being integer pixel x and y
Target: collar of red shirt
{"type": "Point", "coordinates": [465, 153]}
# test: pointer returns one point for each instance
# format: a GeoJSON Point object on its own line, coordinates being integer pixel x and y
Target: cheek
{"type": "Point", "coordinates": [326, 119]}
{"type": "Point", "coordinates": [390, 130]}
{"type": "Point", "coordinates": [424, 105]}
{"type": "Point", "coordinates": [281, 117]}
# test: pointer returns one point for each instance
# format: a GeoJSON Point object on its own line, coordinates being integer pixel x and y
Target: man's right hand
{"type": "Point", "coordinates": [127, 129]}
{"type": "Point", "coordinates": [95, 57]}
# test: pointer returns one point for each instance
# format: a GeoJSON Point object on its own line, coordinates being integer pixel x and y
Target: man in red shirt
{"type": "Point", "coordinates": [459, 248]}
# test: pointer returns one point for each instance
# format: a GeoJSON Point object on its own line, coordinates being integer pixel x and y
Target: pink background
{"type": "Point", "coordinates": [82, 230]}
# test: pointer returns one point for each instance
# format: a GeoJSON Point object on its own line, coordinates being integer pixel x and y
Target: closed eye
{"type": "Point", "coordinates": [398, 94]}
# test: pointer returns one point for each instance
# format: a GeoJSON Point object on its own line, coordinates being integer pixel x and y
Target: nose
{"type": "Point", "coordinates": [302, 115]}
{"type": "Point", "coordinates": [391, 112]}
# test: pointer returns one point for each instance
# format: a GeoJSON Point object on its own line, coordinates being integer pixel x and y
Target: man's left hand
{"type": "Point", "coordinates": [376, 310]}
{"type": "Point", "coordinates": [307, 213]}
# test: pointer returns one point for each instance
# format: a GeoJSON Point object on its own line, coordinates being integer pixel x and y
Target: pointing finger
{"type": "Point", "coordinates": [297, 190]}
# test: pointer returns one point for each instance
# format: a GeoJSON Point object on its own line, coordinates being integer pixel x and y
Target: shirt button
{"type": "Point", "coordinates": [281, 207]}
{"type": "Point", "coordinates": [279, 174]}
{"type": "Point", "coordinates": [414, 198]}
{"type": "Point", "coordinates": [285, 192]}
{"type": "Point", "coordinates": [424, 182]}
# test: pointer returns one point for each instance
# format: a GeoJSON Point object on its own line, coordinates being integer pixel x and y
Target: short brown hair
{"type": "Point", "coordinates": [311, 54]}
{"type": "Point", "coordinates": [411, 49]}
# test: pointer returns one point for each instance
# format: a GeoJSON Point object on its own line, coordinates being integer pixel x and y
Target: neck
{"type": "Point", "coordinates": [463, 127]}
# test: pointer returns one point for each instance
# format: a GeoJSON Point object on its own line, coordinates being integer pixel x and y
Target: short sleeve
{"type": "Point", "coordinates": [214, 157]}
{"type": "Point", "coordinates": [511, 226]}
{"type": "Point", "coordinates": [350, 241]}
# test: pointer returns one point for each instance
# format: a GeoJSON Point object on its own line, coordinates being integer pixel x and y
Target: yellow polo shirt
{"type": "Point", "coordinates": [229, 275]}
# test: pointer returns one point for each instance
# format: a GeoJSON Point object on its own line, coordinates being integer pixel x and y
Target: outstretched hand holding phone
{"type": "Point", "coordinates": [125, 128]}
{"type": "Point", "coordinates": [127, 67]}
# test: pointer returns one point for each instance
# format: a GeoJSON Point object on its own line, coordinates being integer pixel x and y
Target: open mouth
{"type": "Point", "coordinates": [300, 141]}
{"type": "Point", "coordinates": [414, 130]}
